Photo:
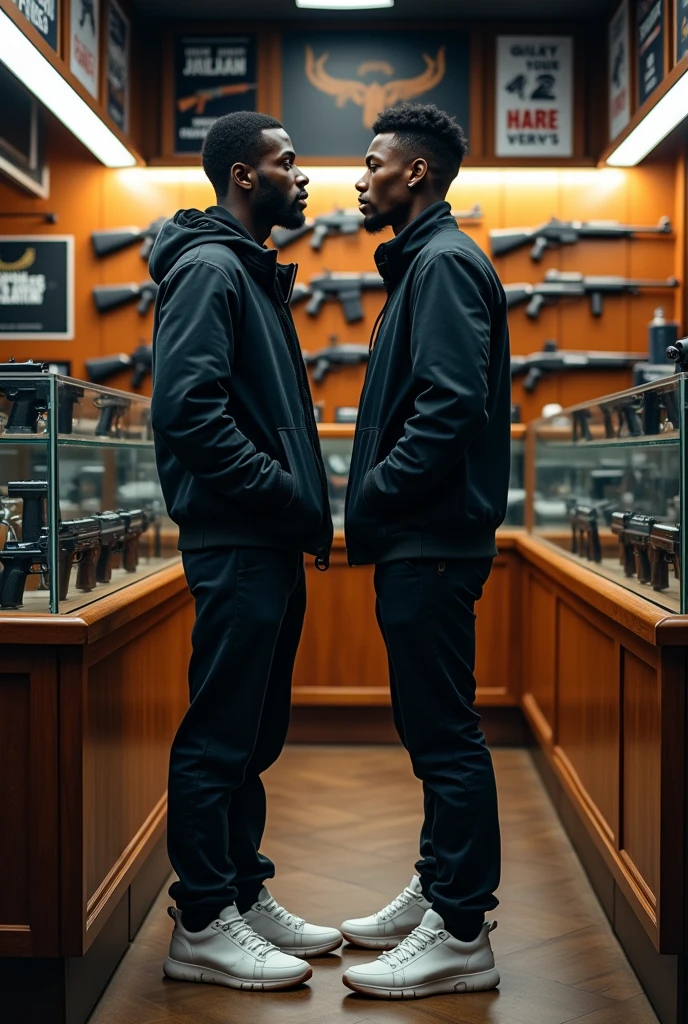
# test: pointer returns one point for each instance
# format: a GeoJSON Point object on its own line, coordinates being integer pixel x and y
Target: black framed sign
{"type": "Point", "coordinates": [335, 83]}
{"type": "Point", "coordinates": [681, 29]}
{"type": "Point", "coordinates": [36, 287]}
{"type": "Point", "coordinates": [117, 89]}
{"type": "Point", "coordinates": [213, 76]}
{"type": "Point", "coordinates": [44, 15]}
{"type": "Point", "coordinates": [651, 22]}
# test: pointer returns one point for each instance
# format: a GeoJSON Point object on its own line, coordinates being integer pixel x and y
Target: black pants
{"type": "Point", "coordinates": [250, 605]}
{"type": "Point", "coordinates": [425, 612]}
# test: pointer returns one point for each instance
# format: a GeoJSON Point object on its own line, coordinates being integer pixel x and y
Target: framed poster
{"type": "Point", "coordinates": [534, 116]}
{"type": "Point", "coordinates": [36, 287]}
{"type": "Point", "coordinates": [117, 72]}
{"type": "Point", "coordinates": [84, 35]}
{"type": "Point", "coordinates": [681, 29]}
{"type": "Point", "coordinates": [44, 15]}
{"type": "Point", "coordinates": [335, 83]}
{"type": "Point", "coordinates": [651, 22]}
{"type": "Point", "coordinates": [213, 76]}
{"type": "Point", "coordinates": [619, 71]}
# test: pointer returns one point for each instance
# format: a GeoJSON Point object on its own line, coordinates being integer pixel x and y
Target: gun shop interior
{"type": "Point", "coordinates": [575, 187]}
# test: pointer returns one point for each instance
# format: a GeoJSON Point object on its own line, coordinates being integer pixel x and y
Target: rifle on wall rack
{"type": "Point", "coordinates": [567, 232]}
{"type": "Point", "coordinates": [561, 285]}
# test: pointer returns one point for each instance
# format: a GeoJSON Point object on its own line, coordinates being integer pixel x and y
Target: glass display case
{"type": "Point", "coordinates": [337, 441]}
{"type": "Point", "coordinates": [609, 487]}
{"type": "Point", "coordinates": [81, 509]}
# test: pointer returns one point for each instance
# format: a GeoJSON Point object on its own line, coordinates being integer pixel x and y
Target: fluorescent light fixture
{"type": "Point", "coordinates": [39, 76]}
{"type": "Point", "coordinates": [343, 5]}
{"type": "Point", "coordinates": [655, 126]}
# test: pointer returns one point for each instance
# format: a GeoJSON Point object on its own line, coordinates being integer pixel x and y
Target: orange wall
{"type": "Point", "coordinates": [87, 196]}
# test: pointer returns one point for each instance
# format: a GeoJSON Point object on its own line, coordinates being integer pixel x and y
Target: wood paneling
{"type": "Point", "coordinates": [588, 710]}
{"type": "Point", "coordinates": [15, 801]}
{"type": "Point", "coordinates": [539, 651]}
{"type": "Point", "coordinates": [641, 782]}
{"type": "Point", "coordinates": [498, 635]}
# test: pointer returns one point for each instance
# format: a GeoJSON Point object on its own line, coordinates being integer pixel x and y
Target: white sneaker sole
{"type": "Point", "coordinates": [370, 942]}
{"type": "Point", "coordinates": [481, 982]}
{"type": "Point", "coordinates": [306, 951]}
{"type": "Point", "coordinates": [192, 972]}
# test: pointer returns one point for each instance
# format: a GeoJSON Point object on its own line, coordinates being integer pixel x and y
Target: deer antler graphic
{"type": "Point", "coordinates": [378, 95]}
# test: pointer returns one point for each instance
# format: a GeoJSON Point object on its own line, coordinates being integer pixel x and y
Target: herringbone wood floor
{"type": "Point", "coordinates": [343, 824]}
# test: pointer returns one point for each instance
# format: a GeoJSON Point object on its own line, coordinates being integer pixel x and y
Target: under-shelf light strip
{"type": "Point", "coordinates": [39, 76]}
{"type": "Point", "coordinates": [655, 126]}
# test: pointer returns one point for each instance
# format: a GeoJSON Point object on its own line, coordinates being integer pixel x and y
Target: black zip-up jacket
{"type": "Point", "coordinates": [430, 467]}
{"type": "Point", "coordinates": [235, 436]}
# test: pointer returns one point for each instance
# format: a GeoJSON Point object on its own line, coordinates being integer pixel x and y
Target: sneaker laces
{"type": "Point", "coordinates": [404, 899]}
{"type": "Point", "coordinates": [418, 940]}
{"type": "Point", "coordinates": [242, 933]}
{"type": "Point", "coordinates": [277, 911]}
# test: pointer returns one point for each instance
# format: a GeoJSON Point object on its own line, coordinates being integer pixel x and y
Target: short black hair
{"type": "Point", "coordinates": [234, 138]}
{"type": "Point", "coordinates": [422, 129]}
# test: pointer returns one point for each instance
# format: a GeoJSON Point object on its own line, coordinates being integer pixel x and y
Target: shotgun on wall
{"type": "Point", "coordinates": [567, 232]}
{"type": "Point", "coordinates": [116, 239]}
{"type": "Point", "coordinates": [562, 285]}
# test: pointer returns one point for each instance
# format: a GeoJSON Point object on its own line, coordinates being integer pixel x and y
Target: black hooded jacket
{"type": "Point", "coordinates": [235, 436]}
{"type": "Point", "coordinates": [430, 467]}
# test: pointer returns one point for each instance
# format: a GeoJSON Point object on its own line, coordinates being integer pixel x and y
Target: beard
{"type": "Point", "coordinates": [273, 206]}
{"type": "Point", "coordinates": [376, 222]}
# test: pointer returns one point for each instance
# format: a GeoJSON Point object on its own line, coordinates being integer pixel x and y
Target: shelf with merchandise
{"type": "Point", "coordinates": [609, 487]}
{"type": "Point", "coordinates": [82, 513]}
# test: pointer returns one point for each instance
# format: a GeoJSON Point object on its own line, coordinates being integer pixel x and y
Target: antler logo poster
{"type": "Point", "coordinates": [335, 84]}
{"type": "Point", "coordinates": [213, 76]}
{"type": "Point", "coordinates": [534, 96]}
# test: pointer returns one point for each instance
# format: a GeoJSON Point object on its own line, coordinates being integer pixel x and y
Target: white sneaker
{"type": "Point", "coordinates": [229, 952]}
{"type": "Point", "coordinates": [428, 962]}
{"type": "Point", "coordinates": [290, 934]}
{"type": "Point", "coordinates": [386, 928]}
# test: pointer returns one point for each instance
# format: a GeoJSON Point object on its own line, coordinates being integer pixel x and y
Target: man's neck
{"type": "Point", "coordinates": [258, 232]}
{"type": "Point", "coordinates": [419, 205]}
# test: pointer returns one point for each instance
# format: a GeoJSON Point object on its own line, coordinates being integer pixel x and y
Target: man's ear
{"type": "Point", "coordinates": [241, 175]}
{"type": "Point", "coordinates": [419, 169]}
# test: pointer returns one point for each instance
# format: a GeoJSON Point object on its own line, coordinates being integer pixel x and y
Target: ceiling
{"type": "Point", "coordinates": [257, 10]}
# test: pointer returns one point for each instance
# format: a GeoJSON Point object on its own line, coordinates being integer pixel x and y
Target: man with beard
{"type": "Point", "coordinates": [242, 473]}
{"type": "Point", "coordinates": [427, 490]}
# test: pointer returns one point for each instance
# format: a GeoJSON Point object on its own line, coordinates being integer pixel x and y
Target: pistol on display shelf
{"type": "Point", "coordinates": [345, 288]}
{"type": "Point", "coordinates": [116, 239]}
{"type": "Point", "coordinates": [554, 360]}
{"type": "Point", "coordinates": [104, 368]}
{"type": "Point", "coordinates": [561, 285]}
{"type": "Point", "coordinates": [88, 543]}
{"type": "Point", "coordinates": [112, 296]}
{"type": "Point", "coordinates": [334, 357]}
{"type": "Point", "coordinates": [585, 535]}
{"type": "Point", "coordinates": [633, 531]}
{"type": "Point", "coordinates": [566, 232]}
{"type": "Point", "coordinates": [31, 398]}
{"type": "Point", "coordinates": [112, 408]}
{"type": "Point", "coordinates": [665, 550]}
{"type": "Point", "coordinates": [33, 495]}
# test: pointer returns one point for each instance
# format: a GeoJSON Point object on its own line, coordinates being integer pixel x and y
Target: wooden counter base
{"type": "Point", "coordinates": [89, 704]}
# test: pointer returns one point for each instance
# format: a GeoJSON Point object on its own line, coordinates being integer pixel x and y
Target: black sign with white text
{"type": "Point", "coordinates": [44, 15]}
{"type": "Point", "coordinates": [213, 76]}
{"type": "Point", "coordinates": [651, 17]}
{"type": "Point", "coordinates": [36, 287]}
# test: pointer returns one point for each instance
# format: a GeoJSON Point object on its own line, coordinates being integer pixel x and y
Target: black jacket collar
{"type": "Point", "coordinates": [394, 258]}
{"type": "Point", "coordinates": [260, 262]}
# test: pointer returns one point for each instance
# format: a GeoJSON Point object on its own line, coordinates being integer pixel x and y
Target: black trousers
{"type": "Point", "coordinates": [250, 605]}
{"type": "Point", "coordinates": [426, 614]}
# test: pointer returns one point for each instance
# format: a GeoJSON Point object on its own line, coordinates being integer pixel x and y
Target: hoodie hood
{"type": "Point", "coordinates": [189, 229]}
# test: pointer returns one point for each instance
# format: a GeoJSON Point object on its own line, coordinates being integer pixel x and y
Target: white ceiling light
{"type": "Point", "coordinates": [343, 5]}
{"type": "Point", "coordinates": [655, 126]}
{"type": "Point", "coordinates": [39, 76]}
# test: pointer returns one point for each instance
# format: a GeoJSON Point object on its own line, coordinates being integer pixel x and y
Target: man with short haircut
{"type": "Point", "coordinates": [243, 477]}
{"type": "Point", "coordinates": [427, 491]}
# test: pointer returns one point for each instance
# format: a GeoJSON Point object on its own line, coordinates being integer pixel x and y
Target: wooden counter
{"type": "Point", "coordinates": [89, 703]}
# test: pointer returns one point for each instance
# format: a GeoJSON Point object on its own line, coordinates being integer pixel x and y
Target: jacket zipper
{"type": "Point", "coordinates": [322, 559]}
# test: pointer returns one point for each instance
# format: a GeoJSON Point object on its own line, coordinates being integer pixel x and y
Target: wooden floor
{"type": "Point", "coordinates": [343, 825]}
